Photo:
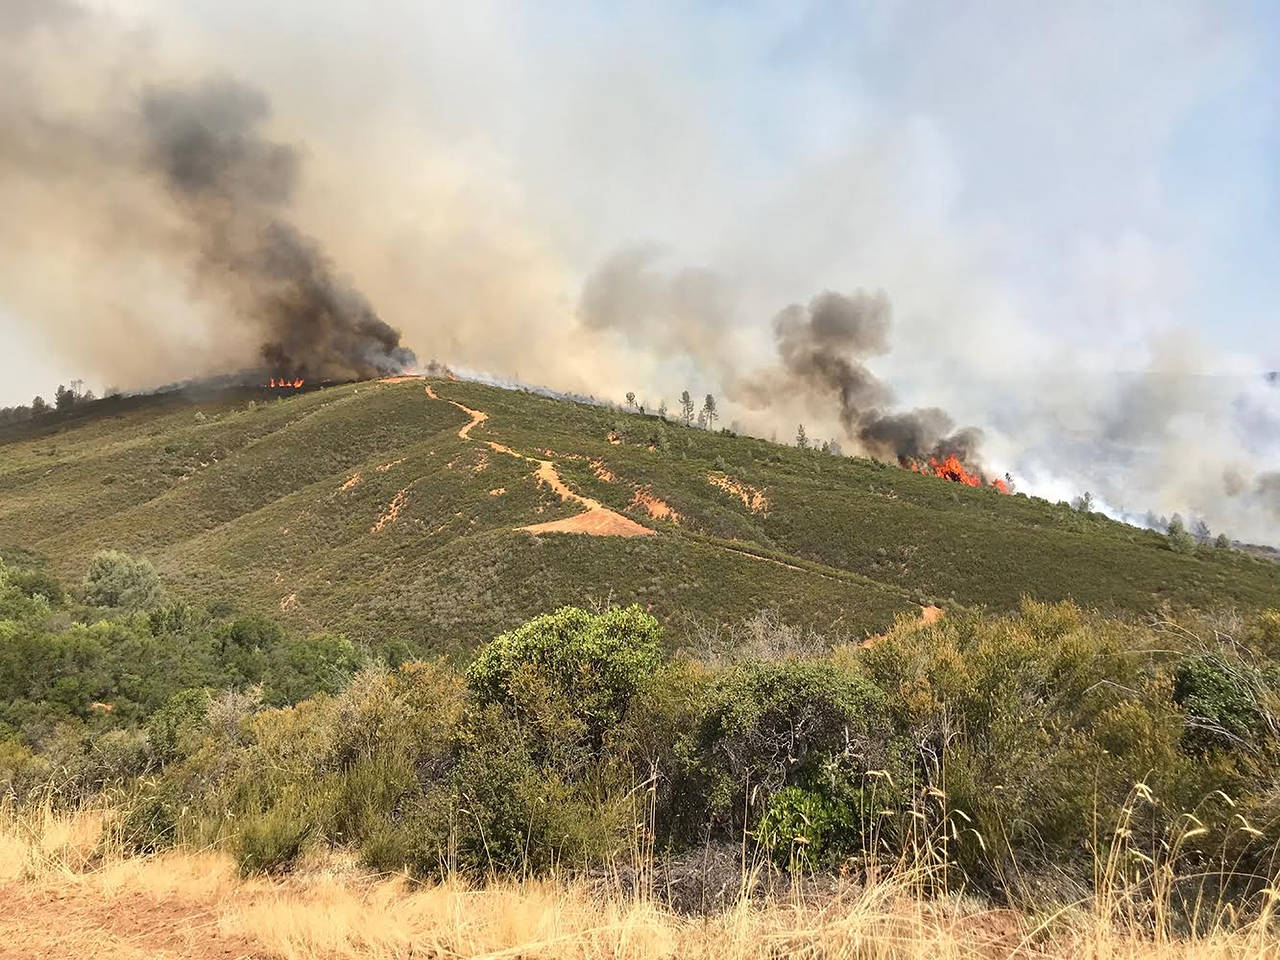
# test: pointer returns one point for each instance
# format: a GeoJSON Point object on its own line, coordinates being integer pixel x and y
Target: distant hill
{"type": "Point", "coordinates": [399, 518]}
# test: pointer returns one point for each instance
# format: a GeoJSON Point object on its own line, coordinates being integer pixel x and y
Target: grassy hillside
{"type": "Point", "coordinates": [360, 508]}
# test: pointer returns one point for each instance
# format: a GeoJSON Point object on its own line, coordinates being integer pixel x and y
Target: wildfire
{"type": "Point", "coordinates": [284, 383]}
{"type": "Point", "coordinates": [952, 469]}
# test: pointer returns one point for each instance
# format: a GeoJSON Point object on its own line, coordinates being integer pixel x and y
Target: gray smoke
{"type": "Point", "coordinates": [235, 185]}
{"type": "Point", "coordinates": [820, 358]}
{"type": "Point", "coordinates": [821, 348]}
{"type": "Point", "coordinates": [163, 193]}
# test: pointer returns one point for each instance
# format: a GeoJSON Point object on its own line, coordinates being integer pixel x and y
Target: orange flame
{"type": "Point", "coordinates": [284, 383]}
{"type": "Point", "coordinates": [952, 469]}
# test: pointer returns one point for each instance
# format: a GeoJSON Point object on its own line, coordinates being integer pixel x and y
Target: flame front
{"type": "Point", "coordinates": [284, 383]}
{"type": "Point", "coordinates": [952, 469]}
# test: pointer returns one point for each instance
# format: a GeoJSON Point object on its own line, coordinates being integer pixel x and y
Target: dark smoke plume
{"type": "Point", "coordinates": [821, 347]}
{"type": "Point", "coordinates": [235, 186]}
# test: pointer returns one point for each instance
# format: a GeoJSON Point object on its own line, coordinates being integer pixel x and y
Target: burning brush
{"type": "Point", "coordinates": [950, 468]}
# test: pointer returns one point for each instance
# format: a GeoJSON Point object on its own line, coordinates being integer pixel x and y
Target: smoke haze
{"type": "Point", "coordinates": [892, 229]}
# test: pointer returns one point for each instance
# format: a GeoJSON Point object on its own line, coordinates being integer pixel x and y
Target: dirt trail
{"type": "Point", "coordinates": [596, 519]}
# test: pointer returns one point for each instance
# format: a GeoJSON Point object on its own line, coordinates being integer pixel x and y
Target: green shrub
{"type": "Point", "coordinates": [300, 667]}
{"type": "Point", "coordinates": [174, 730]}
{"type": "Point", "coordinates": [116, 579]}
{"type": "Point", "coordinates": [148, 822]}
{"type": "Point", "coordinates": [803, 828]}
{"type": "Point", "coordinates": [32, 583]}
{"type": "Point", "coordinates": [274, 840]}
{"type": "Point", "coordinates": [1221, 699]}
{"type": "Point", "coordinates": [767, 726]}
{"type": "Point", "coordinates": [571, 674]}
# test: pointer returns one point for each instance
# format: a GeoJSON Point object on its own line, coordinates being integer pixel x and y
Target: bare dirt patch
{"type": "Point", "coordinates": [353, 481]}
{"type": "Point", "coordinates": [602, 472]}
{"type": "Point", "coordinates": [930, 614]}
{"type": "Point", "coordinates": [389, 515]}
{"type": "Point", "coordinates": [497, 491]}
{"type": "Point", "coordinates": [383, 468]}
{"type": "Point", "coordinates": [404, 379]}
{"type": "Point", "coordinates": [752, 498]}
{"type": "Point", "coordinates": [658, 509]}
{"type": "Point", "coordinates": [598, 522]}
{"type": "Point", "coordinates": [52, 925]}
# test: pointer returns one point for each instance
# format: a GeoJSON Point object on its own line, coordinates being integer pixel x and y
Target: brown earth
{"type": "Point", "coordinates": [658, 509]}
{"type": "Point", "coordinates": [598, 522]}
{"type": "Point", "coordinates": [392, 512]}
{"type": "Point", "coordinates": [752, 498]}
{"type": "Point", "coordinates": [61, 925]}
{"type": "Point", "coordinates": [597, 519]}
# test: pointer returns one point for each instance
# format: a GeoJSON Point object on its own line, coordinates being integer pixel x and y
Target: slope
{"type": "Point", "coordinates": [425, 517]}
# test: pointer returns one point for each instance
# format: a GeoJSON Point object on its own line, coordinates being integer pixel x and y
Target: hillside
{"type": "Point", "coordinates": [396, 512]}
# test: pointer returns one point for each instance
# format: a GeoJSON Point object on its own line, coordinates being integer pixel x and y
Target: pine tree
{"type": "Point", "coordinates": [709, 410]}
{"type": "Point", "coordinates": [686, 408]}
{"type": "Point", "coordinates": [802, 440]}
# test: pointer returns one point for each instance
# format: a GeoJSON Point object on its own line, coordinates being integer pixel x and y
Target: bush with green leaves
{"type": "Point", "coordinates": [116, 579]}
{"type": "Point", "coordinates": [273, 840]}
{"type": "Point", "coordinates": [571, 674]}
{"type": "Point", "coordinates": [1223, 697]}
{"type": "Point", "coordinates": [766, 726]}
{"type": "Point", "coordinates": [804, 828]}
{"type": "Point", "coordinates": [175, 729]}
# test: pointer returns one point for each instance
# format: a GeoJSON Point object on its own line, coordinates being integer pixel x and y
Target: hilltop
{"type": "Point", "coordinates": [429, 515]}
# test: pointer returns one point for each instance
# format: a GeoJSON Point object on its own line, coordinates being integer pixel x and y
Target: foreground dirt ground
{"type": "Point", "coordinates": [132, 925]}
{"type": "Point", "coordinates": [185, 905]}
{"type": "Point", "coordinates": [63, 897]}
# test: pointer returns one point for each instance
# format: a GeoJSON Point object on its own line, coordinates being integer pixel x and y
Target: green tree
{"type": "Point", "coordinates": [802, 439]}
{"type": "Point", "coordinates": [1223, 542]}
{"type": "Point", "coordinates": [298, 668]}
{"type": "Point", "coordinates": [39, 407]}
{"type": "Point", "coordinates": [631, 399]}
{"type": "Point", "coordinates": [1083, 503]}
{"type": "Point", "coordinates": [116, 579]}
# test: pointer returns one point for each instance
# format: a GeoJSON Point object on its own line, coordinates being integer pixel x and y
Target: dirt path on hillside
{"type": "Point", "coordinates": [598, 520]}
{"type": "Point", "coordinates": [595, 520]}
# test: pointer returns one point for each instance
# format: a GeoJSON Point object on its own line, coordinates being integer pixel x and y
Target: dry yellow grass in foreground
{"type": "Point", "coordinates": [60, 896]}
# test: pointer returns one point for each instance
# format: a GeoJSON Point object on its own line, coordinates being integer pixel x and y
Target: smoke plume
{"type": "Point", "coordinates": [211, 195]}
{"type": "Point", "coordinates": [819, 369]}
{"type": "Point", "coordinates": [235, 186]}
{"type": "Point", "coordinates": [821, 348]}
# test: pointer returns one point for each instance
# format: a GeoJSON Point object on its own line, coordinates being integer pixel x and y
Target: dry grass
{"type": "Point", "coordinates": [63, 895]}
